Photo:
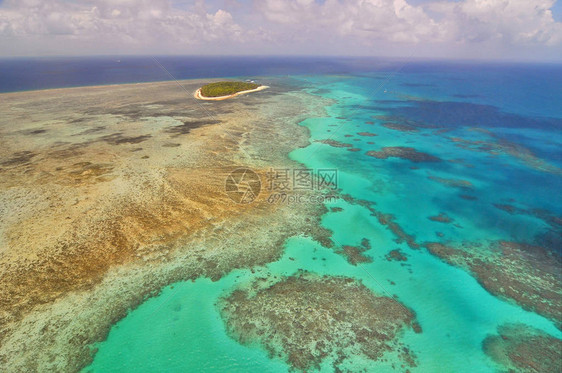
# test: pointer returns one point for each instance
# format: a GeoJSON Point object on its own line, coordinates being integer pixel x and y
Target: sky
{"type": "Point", "coordinates": [525, 30]}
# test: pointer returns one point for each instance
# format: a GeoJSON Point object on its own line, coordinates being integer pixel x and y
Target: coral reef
{"type": "Point", "coordinates": [403, 152]}
{"type": "Point", "coordinates": [335, 144]}
{"type": "Point", "coordinates": [520, 348]}
{"type": "Point", "coordinates": [455, 183]}
{"type": "Point", "coordinates": [355, 254]}
{"type": "Point", "coordinates": [400, 127]}
{"type": "Point", "coordinates": [306, 318]}
{"type": "Point", "coordinates": [441, 218]}
{"type": "Point", "coordinates": [396, 255]}
{"type": "Point", "coordinates": [526, 274]}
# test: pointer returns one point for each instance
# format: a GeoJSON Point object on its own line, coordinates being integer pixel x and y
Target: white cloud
{"type": "Point", "coordinates": [516, 22]}
{"type": "Point", "coordinates": [513, 21]}
{"type": "Point", "coordinates": [128, 24]}
{"type": "Point", "coordinates": [277, 26]}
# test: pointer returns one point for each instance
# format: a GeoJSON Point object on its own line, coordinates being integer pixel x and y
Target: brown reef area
{"type": "Point", "coordinates": [109, 193]}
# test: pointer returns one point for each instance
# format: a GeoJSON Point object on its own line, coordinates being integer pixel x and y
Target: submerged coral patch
{"type": "Point", "coordinates": [458, 114]}
{"type": "Point", "coordinates": [306, 319]}
{"type": "Point", "coordinates": [527, 274]}
{"type": "Point", "coordinates": [387, 220]}
{"type": "Point", "coordinates": [355, 254]}
{"type": "Point", "coordinates": [403, 152]}
{"type": "Point", "coordinates": [520, 348]}
{"type": "Point", "coordinates": [400, 127]}
{"type": "Point", "coordinates": [548, 217]}
{"type": "Point", "coordinates": [441, 218]}
{"type": "Point", "coordinates": [335, 144]}
{"type": "Point", "coordinates": [496, 146]}
{"type": "Point", "coordinates": [455, 183]}
{"type": "Point", "coordinates": [396, 255]}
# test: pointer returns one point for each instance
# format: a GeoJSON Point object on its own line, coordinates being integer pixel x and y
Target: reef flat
{"type": "Point", "coordinates": [109, 193]}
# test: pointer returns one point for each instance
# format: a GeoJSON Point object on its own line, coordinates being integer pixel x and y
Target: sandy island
{"type": "Point", "coordinates": [198, 95]}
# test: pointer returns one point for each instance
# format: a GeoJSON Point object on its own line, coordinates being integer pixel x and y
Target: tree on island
{"type": "Point", "coordinates": [220, 89]}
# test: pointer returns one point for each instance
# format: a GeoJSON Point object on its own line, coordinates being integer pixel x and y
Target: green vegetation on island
{"type": "Point", "coordinates": [219, 89]}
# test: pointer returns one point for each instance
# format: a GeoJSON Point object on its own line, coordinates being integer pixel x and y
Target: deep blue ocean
{"type": "Point", "coordinates": [23, 74]}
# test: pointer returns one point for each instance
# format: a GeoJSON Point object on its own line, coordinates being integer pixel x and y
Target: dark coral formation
{"type": "Point", "coordinates": [387, 220]}
{"type": "Point", "coordinates": [355, 254]}
{"type": "Point", "coordinates": [306, 318]}
{"type": "Point", "coordinates": [497, 146]}
{"type": "Point", "coordinates": [366, 134]}
{"type": "Point", "coordinates": [400, 127]}
{"type": "Point", "coordinates": [461, 162]}
{"type": "Point", "coordinates": [335, 144]}
{"type": "Point", "coordinates": [548, 217]}
{"type": "Point", "coordinates": [455, 183]}
{"type": "Point", "coordinates": [401, 235]}
{"type": "Point", "coordinates": [519, 348]}
{"type": "Point", "coordinates": [118, 139]}
{"type": "Point", "coordinates": [189, 125]}
{"type": "Point", "coordinates": [403, 152]}
{"type": "Point", "coordinates": [452, 114]}
{"type": "Point", "coordinates": [18, 159]}
{"type": "Point", "coordinates": [529, 275]}
{"type": "Point", "coordinates": [396, 255]}
{"type": "Point", "coordinates": [441, 218]}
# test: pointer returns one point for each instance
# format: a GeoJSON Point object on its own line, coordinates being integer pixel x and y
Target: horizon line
{"type": "Point", "coordinates": [297, 56]}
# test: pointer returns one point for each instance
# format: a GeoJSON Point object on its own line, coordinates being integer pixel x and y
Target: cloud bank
{"type": "Point", "coordinates": [466, 28]}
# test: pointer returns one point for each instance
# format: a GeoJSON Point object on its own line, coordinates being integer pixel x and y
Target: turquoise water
{"type": "Point", "coordinates": [181, 329]}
